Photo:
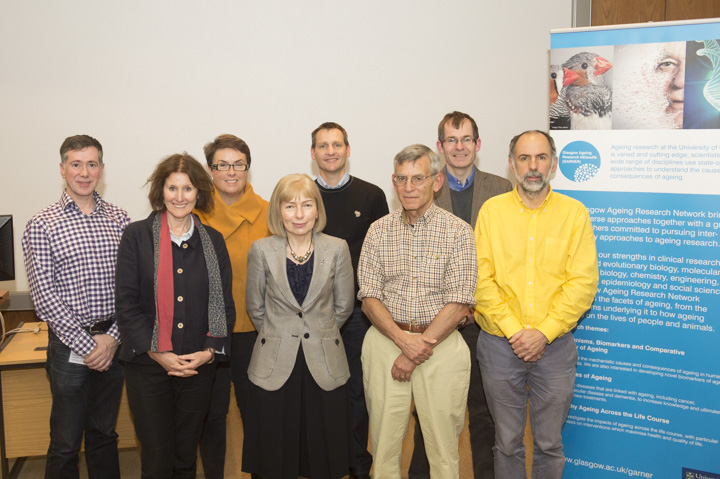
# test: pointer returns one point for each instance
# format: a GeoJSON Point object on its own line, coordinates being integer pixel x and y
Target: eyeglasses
{"type": "Point", "coordinates": [452, 141]}
{"type": "Point", "coordinates": [416, 180]}
{"type": "Point", "coordinates": [227, 166]}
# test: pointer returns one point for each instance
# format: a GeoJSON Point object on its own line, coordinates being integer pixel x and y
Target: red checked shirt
{"type": "Point", "coordinates": [70, 262]}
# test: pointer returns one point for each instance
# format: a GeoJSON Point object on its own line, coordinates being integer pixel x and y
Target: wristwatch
{"type": "Point", "coordinates": [212, 359]}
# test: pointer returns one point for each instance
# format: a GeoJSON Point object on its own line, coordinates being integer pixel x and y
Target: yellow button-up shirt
{"type": "Point", "coordinates": [537, 268]}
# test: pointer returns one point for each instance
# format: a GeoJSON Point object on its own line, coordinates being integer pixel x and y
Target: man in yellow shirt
{"type": "Point", "coordinates": [537, 275]}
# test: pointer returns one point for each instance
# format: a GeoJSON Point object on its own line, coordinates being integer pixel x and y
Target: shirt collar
{"type": "Point", "coordinates": [424, 218]}
{"type": "Point", "coordinates": [66, 201]}
{"type": "Point", "coordinates": [343, 181]}
{"type": "Point", "coordinates": [185, 236]}
{"type": "Point", "coordinates": [457, 185]}
{"type": "Point", "coordinates": [523, 206]}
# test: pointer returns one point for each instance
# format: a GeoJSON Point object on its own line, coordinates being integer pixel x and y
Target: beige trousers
{"type": "Point", "coordinates": [439, 387]}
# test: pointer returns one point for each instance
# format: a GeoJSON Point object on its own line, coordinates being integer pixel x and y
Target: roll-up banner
{"type": "Point", "coordinates": [635, 113]}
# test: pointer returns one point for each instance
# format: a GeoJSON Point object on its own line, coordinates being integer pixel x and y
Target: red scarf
{"type": "Point", "coordinates": [165, 302]}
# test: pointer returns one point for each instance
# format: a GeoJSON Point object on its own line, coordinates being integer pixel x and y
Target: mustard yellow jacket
{"type": "Point", "coordinates": [240, 224]}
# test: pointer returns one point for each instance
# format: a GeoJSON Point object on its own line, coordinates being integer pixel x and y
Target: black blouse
{"type": "Point", "coordinates": [299, 276]}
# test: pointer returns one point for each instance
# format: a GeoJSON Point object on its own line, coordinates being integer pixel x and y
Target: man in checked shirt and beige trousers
{"type": "Point", "coordinates": [417, 275]}
{"type": "Point", "coordinates": [70, 250]}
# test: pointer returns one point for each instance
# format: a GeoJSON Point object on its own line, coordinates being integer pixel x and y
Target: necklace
{"type": "Point", "coordinates": [303, 258]}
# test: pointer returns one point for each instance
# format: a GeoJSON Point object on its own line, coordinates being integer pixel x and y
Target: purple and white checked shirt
{"type": "Point", "coordinates": [70, 262]}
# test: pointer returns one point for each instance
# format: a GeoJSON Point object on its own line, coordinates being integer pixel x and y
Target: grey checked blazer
{"type": "Point", "coordinates": [283, 324]}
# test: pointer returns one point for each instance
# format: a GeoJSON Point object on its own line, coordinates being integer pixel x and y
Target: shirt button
{"type": "Point", "coordinates": [180, 299]}
{"type": "Point", "coordinates": [306, 335]}
{"type": "Point", "coordinates": [184, 245]}
{"type": "Point", "coordinates": [179, 270]}
{"type": "Point", "coordinates": [531, 238]}
{"type": "Point", "coordinates": [530, 260]}
{"type": "Point", "coordinates": [529, 282]}
{"type": "Point", "coordinates": [181, 325]}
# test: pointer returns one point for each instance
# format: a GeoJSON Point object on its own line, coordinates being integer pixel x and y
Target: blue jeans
{"type": "Point", "coordinates": [509, 382]}
{"type": "Point", "coordinates": [353, 334]}
{"type": "Point", "coordinates": [84, 401]}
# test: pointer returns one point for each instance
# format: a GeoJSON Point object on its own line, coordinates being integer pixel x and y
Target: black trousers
{"type": "Point", "coordinates": [213, 440]}
{"type": "Point", "coordinates": [168, 413]}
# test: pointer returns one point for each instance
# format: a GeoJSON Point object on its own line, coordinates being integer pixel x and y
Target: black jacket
{"type": "Point", "coordinates": [135, 293]}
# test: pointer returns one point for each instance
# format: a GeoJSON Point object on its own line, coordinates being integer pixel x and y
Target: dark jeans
{"type": "Point", "coordinates": [83, 401]}
{"type": "Point", "coordinates": [212, 443]}
{"type": "Point", "coordinates": [168, 413]}
{"type": "Point", "coordinates": [353, 334]}
{"type": "Point", "coordinates": [482, 428]}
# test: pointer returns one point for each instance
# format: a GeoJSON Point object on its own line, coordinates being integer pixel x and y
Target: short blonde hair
{"type": "Point", "coordinates": [287, 189]}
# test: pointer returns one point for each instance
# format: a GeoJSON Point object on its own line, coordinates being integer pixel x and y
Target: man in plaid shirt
{"type": "Point", "coordinates": [70, 250]}
{"type": "Point", "coordinates": [417, 275]}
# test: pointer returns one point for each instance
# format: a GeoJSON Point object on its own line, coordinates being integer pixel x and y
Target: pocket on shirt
{"type": "Point", "coordinates": [556, 252]}
{"type": "Point", "coordinates": [434, 270]}
{"type": "Point", "coordinates": [264, 356]}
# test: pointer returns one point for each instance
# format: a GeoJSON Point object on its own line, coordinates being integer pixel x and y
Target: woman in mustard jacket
{"type": "Point", "coordinates": [240, 216]}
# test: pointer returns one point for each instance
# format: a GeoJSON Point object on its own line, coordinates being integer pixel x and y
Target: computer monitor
{"type": "Point", "coordinates": [7, 249]}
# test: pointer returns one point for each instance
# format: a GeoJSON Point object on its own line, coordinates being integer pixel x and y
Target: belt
{"type": "Point", "coordinates": [413, 328]}
{"type": "Point", "coordinates": [100, 327]}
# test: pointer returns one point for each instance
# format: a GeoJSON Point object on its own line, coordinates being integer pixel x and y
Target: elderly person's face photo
{"type": "Point", "coordinates": [669, 71]}
{"type": "Point", "coordinates": [650, 86]}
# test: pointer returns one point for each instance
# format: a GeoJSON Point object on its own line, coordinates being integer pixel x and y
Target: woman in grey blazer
{"type": "Point", "coordinates": [299, 292]}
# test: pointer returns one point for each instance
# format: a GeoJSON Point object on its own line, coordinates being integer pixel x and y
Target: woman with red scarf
{"type": "Point", "coordinates": [175, 312]}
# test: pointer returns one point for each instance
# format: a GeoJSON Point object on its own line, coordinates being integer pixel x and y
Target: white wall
{"type": "Point", "coordinates": [153, 77]}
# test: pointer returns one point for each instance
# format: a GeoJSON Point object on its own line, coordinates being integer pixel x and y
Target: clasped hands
{"type": "Point", "coordinates": [416, 349]}
{"type": "Point", "coordinates": [182, 366]}
{"type": "Point", "coordinates": [528, 344]}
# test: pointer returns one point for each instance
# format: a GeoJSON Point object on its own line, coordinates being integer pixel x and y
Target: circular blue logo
{"type": "Point", "coordinates": [579, 161]}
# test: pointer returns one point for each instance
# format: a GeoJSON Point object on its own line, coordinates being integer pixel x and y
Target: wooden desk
{"type": "Point", "coordinates": [17, 308]}
{"type": "Point", "coordinates": [25, 400]}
